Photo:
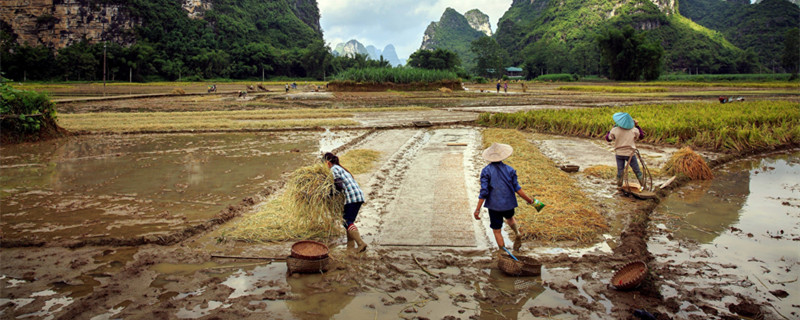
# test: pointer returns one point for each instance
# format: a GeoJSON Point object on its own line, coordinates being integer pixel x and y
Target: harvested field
{"type": "Point", "coordinates": [427, 257]}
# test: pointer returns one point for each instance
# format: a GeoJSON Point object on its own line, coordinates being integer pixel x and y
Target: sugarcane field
{"type": "Point", "coordinates": [234, 200]}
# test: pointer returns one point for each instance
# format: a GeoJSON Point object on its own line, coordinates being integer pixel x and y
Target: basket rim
{"type": "Point", "coordinates": [297, 245]}
{"type": "Point", "coordinates": [626, 269]}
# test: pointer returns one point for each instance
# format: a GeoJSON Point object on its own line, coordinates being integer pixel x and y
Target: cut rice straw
{"type": "Point", "coordinates": [305, 210]}
{"type": "Point", "coordinates": [570, 215]}
{"type": "Point", "coordinates": [686, 162]}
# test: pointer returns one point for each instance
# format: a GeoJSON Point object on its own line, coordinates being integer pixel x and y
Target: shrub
{"type": "Point", "coordinates": [24, 112]}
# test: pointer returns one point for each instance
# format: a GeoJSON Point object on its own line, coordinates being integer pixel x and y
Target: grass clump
{"type": "Point", "coordinates": [686, 162]}
{"type": "Point", "coordinates": [612, 89]}
{"type": "Point", "coordinates": [601, 171]}
{"type": "Point", "coordinates": [569, 215]}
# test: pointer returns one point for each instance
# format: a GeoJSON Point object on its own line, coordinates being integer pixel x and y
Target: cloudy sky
{"type": "Point", "coordinates": [398, 22]}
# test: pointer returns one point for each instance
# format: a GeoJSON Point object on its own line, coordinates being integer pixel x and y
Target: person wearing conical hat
{"type": "Point", "coordinates": [625, 132]}
{"type": "Point", "coordinates": [498, 186]}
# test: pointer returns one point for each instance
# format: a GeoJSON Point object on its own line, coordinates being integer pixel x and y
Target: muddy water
{"type": "Point", "coordinates": [124, 186]}
{"type": "Point", "coordinates": [738, 234]}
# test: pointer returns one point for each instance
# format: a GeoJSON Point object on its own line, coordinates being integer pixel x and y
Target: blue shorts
{"type": "Point", "coordinates": [496, 218]}
{"type": "Point", "coordinates": [350, 213]}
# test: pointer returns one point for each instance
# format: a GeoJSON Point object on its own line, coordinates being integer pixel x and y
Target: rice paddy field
{"type": "Point", "coordinates": [172, 205]}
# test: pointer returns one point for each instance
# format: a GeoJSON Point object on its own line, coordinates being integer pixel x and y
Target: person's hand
{"type": "Point", "coordinates": [530, 201]}
{"type": "Point", "coordinates": [635, 122]}
{"type": "Point", "coordinates": [477, 214]}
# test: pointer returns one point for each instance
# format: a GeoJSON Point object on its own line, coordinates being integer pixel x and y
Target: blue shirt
{"type": "Point", "coordinates": [352, 192]}
{"type": "Point", "coordinates": [498, 186]}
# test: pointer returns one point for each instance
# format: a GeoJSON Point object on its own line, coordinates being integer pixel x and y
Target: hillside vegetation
{"type": "Point", "coordinates": [549, 37]}
{"type": "Point", "coordinates": [759, 28]}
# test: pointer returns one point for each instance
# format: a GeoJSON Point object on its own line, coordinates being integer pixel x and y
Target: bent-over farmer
{"type": "Point", "coordinates": [498, 186]}
{"type": "Point", "coordinates": [353, 199]}
{"type": "Point", "coordinates": [624, 134]}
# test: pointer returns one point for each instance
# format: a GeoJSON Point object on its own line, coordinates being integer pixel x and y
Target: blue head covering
{"type": "Point", "coordinates": [623, 120]}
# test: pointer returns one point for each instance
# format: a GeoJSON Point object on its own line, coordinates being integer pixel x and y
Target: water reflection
{"type": "Point", "coordinates": [707, 208]}
{"type": "Point", "coordinates": [93, 186]}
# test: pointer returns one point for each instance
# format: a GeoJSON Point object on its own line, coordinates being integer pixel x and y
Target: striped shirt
{"type": "Point", "coordinates": [352, 192]}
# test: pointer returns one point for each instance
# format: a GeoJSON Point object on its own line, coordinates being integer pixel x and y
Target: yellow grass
{"type": "Point", "coordinates": [569, 214]}
{"type": "Point", "coordinates": [612, 89]}
{"type": "Point", "coordinates": [686, 162]}
{"type": "Point", "coordinates": [360, 160]}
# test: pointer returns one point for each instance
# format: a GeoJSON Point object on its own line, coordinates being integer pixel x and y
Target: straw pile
{"type": "Point", "coordinates": [688, 163]}
{"type": "Point", "coordinates": [305, 210]}
{"type": "Point", "coordinates": [570, 215]}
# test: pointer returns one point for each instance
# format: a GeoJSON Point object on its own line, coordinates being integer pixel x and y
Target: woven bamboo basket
{"type": "Point", "coordinates": [309, 250]}
{"type": "Point", "coordinates": [295, 265]}
{"type": "Point", "coordinates": [525, 267]}
{"type": "Point", "coordinates": [630, 276]}
{"type": "Point", "coordinates": [570, 168]}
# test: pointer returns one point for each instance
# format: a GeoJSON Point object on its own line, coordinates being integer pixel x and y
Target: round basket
{"type": "Point", "coordinates": [295, 265]}
{"type": "Point", "coordinates": [525, 267]}
{"type": "Point", "coordinates": [570, 168]}
{"type": "Point", "coordinates": [309, 250]}
{"type": "Point", "coordinates": [630, 276]}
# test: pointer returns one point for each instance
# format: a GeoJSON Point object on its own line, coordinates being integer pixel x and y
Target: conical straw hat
{"type": "Point", "coordinates": [623, 120]}
{"type": "Point", "coordinates": [497, 152]}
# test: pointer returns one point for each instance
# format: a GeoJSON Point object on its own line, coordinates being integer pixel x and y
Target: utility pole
{"type": "Point", "coordinates": [104, 49]}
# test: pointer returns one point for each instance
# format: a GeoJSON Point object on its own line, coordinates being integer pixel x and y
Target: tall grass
{"type": "Point", "coordinates": [395, 75]}
{"type": "Point", "coordinates": [738, 126]}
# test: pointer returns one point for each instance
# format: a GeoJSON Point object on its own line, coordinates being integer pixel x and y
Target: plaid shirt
{"type": "Point", "coordinates": [352, 191]}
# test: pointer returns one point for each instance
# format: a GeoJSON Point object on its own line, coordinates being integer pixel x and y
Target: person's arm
{"type": "Point", "coordinates": [522, 194]}
{"type": "Point", "coordinates": [482, 194]}
{"type": "Point", "coordinates": [610, 136]}
{"type": "Point", "coordinates": [641, 132]}
{"type": "Point", "coordinates": [478, 210]}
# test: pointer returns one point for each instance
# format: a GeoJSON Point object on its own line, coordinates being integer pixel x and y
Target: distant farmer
{"type": "Point", "coordinates": [354, 198]}
{"type": "Point", "coordinates": [624, 134]}
{"type": "Point", "coordinates": [287, 88]}
{"type": "Point", "coordinates": [498, 86]}
{"type": "Point", "coordinates": [498, 186]}
{"type": "Point", "coordinates": [505, 86]}
{"type": "Point", "coordinates": [212, 88]}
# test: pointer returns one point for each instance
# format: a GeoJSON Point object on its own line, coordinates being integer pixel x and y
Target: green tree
{"type": "Point", "coordinates": [490, 57]}
{"type": "Point", "coordinates": [78, 62]}
{"type": "Point", "coordinates": [439, 59]}
{"type": "Point", "coordinates": [791, 51]}
{"type": "Point", "coordinates": [629, 56]}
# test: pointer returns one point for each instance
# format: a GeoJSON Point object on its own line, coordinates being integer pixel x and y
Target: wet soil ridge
{"type": "Point", "coordinates": [352, 86]}
{"type": "Point", "coordinates": [167, 239]}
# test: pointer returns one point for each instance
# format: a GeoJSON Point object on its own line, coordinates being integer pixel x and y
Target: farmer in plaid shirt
{"type": "Point", "coordinates": [354, 198]}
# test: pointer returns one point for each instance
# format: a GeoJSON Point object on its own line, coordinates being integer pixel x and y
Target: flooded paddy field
{"type": "Point", "coordinates": [427, 257]}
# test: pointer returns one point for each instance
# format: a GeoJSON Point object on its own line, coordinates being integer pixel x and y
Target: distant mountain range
{"type": "Point", "coordinates": [353, 47]}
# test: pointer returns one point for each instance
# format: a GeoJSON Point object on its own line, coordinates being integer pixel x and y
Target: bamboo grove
{"type": "Point", "coordinates": [733, 127]}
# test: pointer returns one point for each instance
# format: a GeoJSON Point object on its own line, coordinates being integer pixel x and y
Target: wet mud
{"type": "Point", "coordinates": [698, 268]}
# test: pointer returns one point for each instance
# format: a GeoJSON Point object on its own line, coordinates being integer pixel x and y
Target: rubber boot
{"type": "Point", "coordinates": [619, 181]}
{"type": "Point", "coordinates": [351, 243]}
{"type": "Point", "coordinates": [353, 232]}
{"type": "Point", "coordinates": [517, 237]}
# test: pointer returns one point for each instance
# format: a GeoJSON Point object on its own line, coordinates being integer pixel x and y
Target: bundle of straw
{"type": "Point", "coordinates": [601, 171]}
{"type": "Point", "coordinates": [688, 163]}
{"type": "Point", "coordinates": [314, 200]}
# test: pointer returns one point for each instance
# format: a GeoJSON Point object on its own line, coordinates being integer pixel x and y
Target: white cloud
{"type": "Point", "coordinates": [399, 22]}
